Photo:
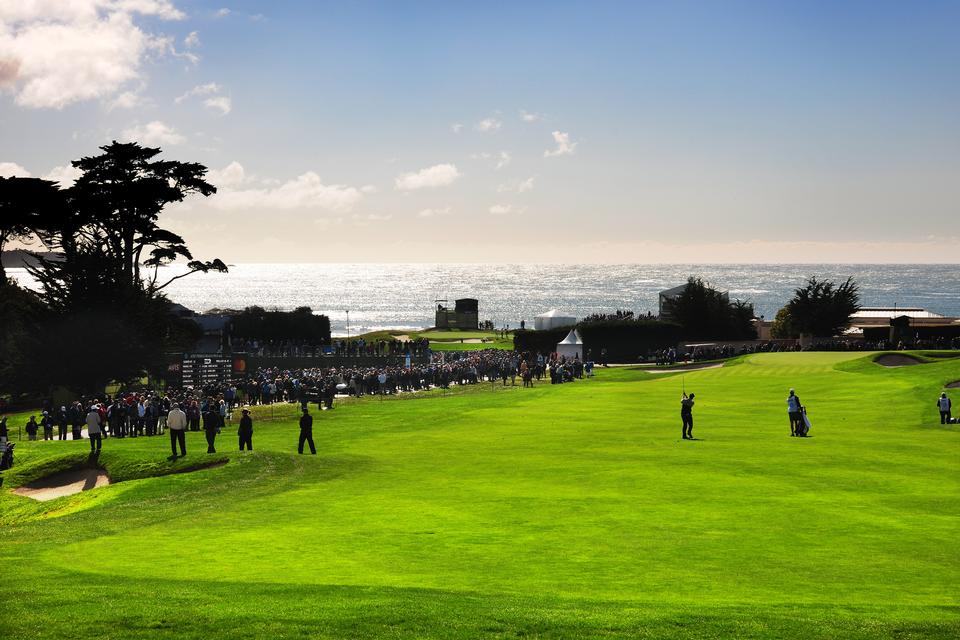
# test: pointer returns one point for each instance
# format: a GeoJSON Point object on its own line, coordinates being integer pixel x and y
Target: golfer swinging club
{"type": "Point", "coordinates": [686, 415]}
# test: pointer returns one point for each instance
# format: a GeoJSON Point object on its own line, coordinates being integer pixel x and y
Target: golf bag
{"type": "Point", "coordinates": [804, 427]}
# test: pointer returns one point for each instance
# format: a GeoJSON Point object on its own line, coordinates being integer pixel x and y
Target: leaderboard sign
{"type": "Point", "coordinates": [199, 370]}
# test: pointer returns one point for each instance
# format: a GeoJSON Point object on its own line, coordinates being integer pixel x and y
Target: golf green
{"type": "Point", "coordinates": [560, 511]}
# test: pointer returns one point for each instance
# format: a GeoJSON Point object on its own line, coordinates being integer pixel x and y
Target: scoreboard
{"type": "Point", "coordinates": [198, 370]}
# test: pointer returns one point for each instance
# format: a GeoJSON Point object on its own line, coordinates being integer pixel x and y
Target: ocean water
{"type": "Point", "coordinates": [403, 296]}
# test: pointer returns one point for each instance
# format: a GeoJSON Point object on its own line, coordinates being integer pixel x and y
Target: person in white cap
{"type": "Point", "coordinates": [943, 403]}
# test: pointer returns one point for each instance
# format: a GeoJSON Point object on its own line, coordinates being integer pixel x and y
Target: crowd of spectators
{"type": "Point", "coordinates": [322, 384]}
{"type": "Point", "coordinates": [700, 353]}
{"type": "Point", "coordinates": [144, 413]}
{"type": "Point", "coordinates": [132, 414]}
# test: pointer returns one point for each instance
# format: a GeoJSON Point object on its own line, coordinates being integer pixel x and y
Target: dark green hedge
{"type": "Point", "coordinates": [299, 324]}
{"type": "Point", "coordinates": [627, 340]}
{"type": "Point", "coordinates": [624, 340]}
{"type": "Point", "coordinates": [539, 341]}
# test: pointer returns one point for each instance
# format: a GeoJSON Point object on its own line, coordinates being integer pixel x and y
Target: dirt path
{"type": "Point", "coordinates": [64, 484]}
{"type": "Point", "coordinates": [954, 385]}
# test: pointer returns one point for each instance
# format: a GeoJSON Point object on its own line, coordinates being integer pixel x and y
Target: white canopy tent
{"type": "Point", "coordinates": [553, 319]}
{"type": "Point", "coordinates": [571, 346]}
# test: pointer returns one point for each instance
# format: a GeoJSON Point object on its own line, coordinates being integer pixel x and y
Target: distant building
{"type": "Point", "coordinates": [464, 315]}
{"type": "Point", "coordinates": [896, 323]}
{"type": "Point", "coordinates": [553, 319]}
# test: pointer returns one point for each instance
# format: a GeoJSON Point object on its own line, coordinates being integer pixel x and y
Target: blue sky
{"type": "Point", "coordinates": [521, 131]}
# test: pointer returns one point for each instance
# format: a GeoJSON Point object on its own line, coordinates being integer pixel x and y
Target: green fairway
{"type": "Point", "coordinates": [558, 511]}
{"type": "Point", "coordinates": [448, 339]}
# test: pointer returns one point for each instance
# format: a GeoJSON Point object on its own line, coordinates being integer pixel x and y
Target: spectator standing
{"type": "Point", "coordinates": [306, 432]}
{"type": "Point", "coordinates": [62, 422]}
{"type": "Point", "coordinates": [47, 423]}
{"type": "Point", "coordinates": [246, 431]}
{"type": "Point", "coordinates": [211, 425]}
{"type": "Point", "coordinates": [94, 422]}
{"type": "Point", "coordinates": [177, 424]}
{"type": "Point", "coordinates": [32, 428]}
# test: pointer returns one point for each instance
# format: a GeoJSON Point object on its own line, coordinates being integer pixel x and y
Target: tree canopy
{"type": "Point", "coordinates": [822, 308]}
{"type": "Point", "coordinates": [705, 313]}
{"type": "Point", "coordinates": [101, 314]}
{"type": "Point", "coordinates": [24, 203]}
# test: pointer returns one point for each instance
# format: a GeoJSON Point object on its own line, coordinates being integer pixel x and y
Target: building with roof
{"type": "Point", "coordinates": [553, 319]}
{"type": "Point", "coordinates": [900, 323]}
{"type": "Point", "coordinates": [464, 315]}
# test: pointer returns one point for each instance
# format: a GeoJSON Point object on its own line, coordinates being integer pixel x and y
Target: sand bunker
{"type": "Point", "coordinates": [64, 484]}
{"type": "Point", "coordinates": [692, 367]}
{"type": "Point", "coordinates": [896, 360]}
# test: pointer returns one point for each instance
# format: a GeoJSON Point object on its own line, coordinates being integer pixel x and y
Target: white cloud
{"type": "Point", "coordinates": [126, 100]}
{"type": "Point", "coordinates": [506, 209]}
{"type": "Point", "coordinates": [223, 104]}
{"type": "Point", "coordinates": [303, 192]}
{"type": "Point", "coordinates": [564, 146]}
{"type": "Point", "coordinates": [231, 175]}
{"type": "Point", "coordinates": [192, 40]}
{"type": "Point", "coordinates": [456, 127]}
{"type": "Point", "coordinates": [503, 158]}
{"type": "Point", "coordinates": [222, 13]}
{"type": "Point", "coordinates": [439, 175]}
{"type": "Point", "coordinates": [529, 117]}
{"type": "Point", "coordinates": [153, 134]}
{"type": "Point", "coordinates": [521, 186]}
{"type": "Point", "coordinates": [65, 175]}
{"type": "Point", "coordinates": [55, 53]}
{"type": "Point", "coordinates": [368, 188]}
{"type": "Point", "coordinates": [432, 213]}
{"type": "Point", "coordinates": [199, 90]}
{"type": "Point", "coordinates": [489, 124]}
{"type": "Point", "coordinates": [10, 169]}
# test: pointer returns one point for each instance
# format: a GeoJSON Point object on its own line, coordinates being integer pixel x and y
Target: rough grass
{"type": "Point", "coordinates": [570, 511]}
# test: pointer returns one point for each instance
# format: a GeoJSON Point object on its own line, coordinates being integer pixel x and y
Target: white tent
{"type": "Point", "coordinates": [553, 319]}
{"type": "Point", "coordinates": [571, 346]}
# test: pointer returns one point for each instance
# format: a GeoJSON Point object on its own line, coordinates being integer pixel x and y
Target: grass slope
{"type": "Point", "coordinates": [571, 511]}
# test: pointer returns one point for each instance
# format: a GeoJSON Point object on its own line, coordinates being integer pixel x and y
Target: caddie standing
{"type": "Point", "coordinates": [944, 404]}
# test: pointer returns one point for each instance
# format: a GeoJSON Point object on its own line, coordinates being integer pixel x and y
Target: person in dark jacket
{"type": "Point", "coordinates": [47, 423]}
{"type": "Point", "coordinates": [62, 422]}
{"type": "Point", "coordinates": [32, 428]}
{"type": "Point", "coordinates": [246, 431]}
{"type": "Point", "coordinates": [77, 418]}
{"type": "Point", "coordinates": [306, 432]}
{"type": "Point", "coordinates": [211, 425]}
{"type": "Point", "coordinates": [686, 415]}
